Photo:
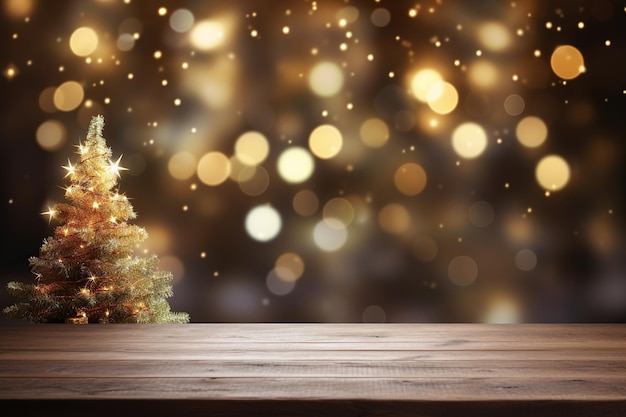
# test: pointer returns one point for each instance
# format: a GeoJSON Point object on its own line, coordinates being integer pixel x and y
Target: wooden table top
{"type": "Point", "coordinates": [307, 369]}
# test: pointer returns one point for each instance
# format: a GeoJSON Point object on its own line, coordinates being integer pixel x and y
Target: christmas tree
{"type": "Point", "coordinates": [88, 271]}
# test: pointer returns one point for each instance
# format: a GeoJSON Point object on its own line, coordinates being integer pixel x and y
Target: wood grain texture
{"type": "Point", "coordinates": [306, 369]}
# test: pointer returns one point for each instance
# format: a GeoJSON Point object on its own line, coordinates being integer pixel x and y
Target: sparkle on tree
{"type": "Point", "coordinates": [88, 269]}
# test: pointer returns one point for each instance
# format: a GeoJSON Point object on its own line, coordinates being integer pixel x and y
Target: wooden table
{"type": "Point", "coordinates": [303, 369]}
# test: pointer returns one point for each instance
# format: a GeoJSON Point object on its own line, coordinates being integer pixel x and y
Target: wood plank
{"type": "Point", "coordinates": [128, 353]}
{"type": "Point", "coordinates": [309, 369]}
{"type": "Point", "coordinates": [106, 342]}
{"type": "Point", "coordinates": [259, 388]}
{"type": "Point", "coordinates": [280, 332]}
{"type": "Point", "coordinates": [113, 342]}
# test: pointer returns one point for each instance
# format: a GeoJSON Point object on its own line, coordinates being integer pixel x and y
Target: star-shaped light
{"type": "Point", "coordinates": [69, 168]}
{"type": "Point", "coordinates": [68, 190]}
{"type": "Point", "coordinates": [82, 149]}
{"type": "Point", "coordinates": [115, 168]}
{"type": "Point", "coordinates": [51, 212]}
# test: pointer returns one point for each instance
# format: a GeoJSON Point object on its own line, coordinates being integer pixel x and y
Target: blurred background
{"type": "Point", "coordinates": [336, 160]}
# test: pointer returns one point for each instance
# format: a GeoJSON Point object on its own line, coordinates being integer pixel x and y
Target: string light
{"type": "Point", "coordinates": [115, 168]}
{"type": "Point", "coordinates": [50, 212]}
{"type": "Point", "coordinates": [82, 150]}
{"type": "Point", "coordinates": [70, 169]}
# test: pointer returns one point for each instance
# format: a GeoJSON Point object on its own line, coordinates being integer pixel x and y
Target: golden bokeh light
{"type": "Point", "coordinates": [494, 36]}
{"type": "Point", "coordinates": [380, 17]}
{"type": "Point", "coordinates": [518, 230]}
{"type": "Point", "coordinates": [462, 270]}
{"type": "Point", "coordinates": [251, 148]}
{"type": "Point", "coordinates": [18, 8]}
{"type": "Point", "coordinates": [125, 42]}
{"type": "Point", "coordinates": [552, 173]}
{"type": "Point", "coordinates": [442, 97]}
{"type": "Point", "coordinates": [483, 74]}
{"type": "Point", "coordinates": [10, 71]}
{"type": "Point", "coordinates": [295, 164]}
{"type": "Point", "coordinates": [255, 183]}
{"type": "Point", "coordinates": [502, 310]}
{"type": "Point", "coordinates": [160, 239]}
{"type": "Point", "coordinates": [278, 286]}
{"type": "Point", "coordinates": [525, 260]}
{"type": "Point", "coordinates": [68, 96]}
{"type": "Point", "coordinates": [330, 235]}
{"type": "Point", "coordinates": [348, 14]}
{"type": "Point", "coordinates": [325, 141]}
{"type": "Point", "coordinates": [469, 140]}
{"type": "Point", "coordinates": [213, 84]}
{"type": "Point", "coordinates": [83, 41]}
{"type": "Point", "coordinates": [394, 218]}
{"type": "Point", "coordinates": [182, 165]}
{"type": "Point", "coordinates": [567, 62]}
{"type": "Point", "coordinates": [514, 104]}
{"type": "Point", "coordinates": [289, 266]}
{"type": "Point", "coordinates": [305, 203]}
{"type": "Point", "coordinates": [240, 172]}
{"type": "Point", "coordinates": [374, 132]}
{"type": "Point", "coordinates": [213, 168]}
{"type": "Point", "coordinates": [263, 223]}
{"type": "Point", "coordinates": [340, 209]}
{"type": "Point", "coordinates": [51, 135]}
{"type": "Point", "coordinates": [46, 100]}
{"type": "Point", "coordinates": [207, 35]}
{"type": "Point", "coordinates": [422, 81]}
{"type": "Point", "coordinates": [326, 79]}
{"type": "Point", "coordinates": [410, 179]}
{"type": "Point", "coordinates": [182, 20]}
{"type": "Point", "coordinates": [531, 131]}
